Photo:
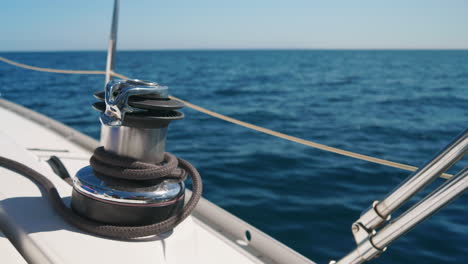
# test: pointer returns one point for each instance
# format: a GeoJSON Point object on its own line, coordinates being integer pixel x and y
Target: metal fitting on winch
{"type": "Point", "coordinates": [134, 115]}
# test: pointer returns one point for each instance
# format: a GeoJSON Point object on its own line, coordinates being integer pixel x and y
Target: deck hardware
{"type": "Point", "coordinates": [118, 93]}
{"type": "Point", "coordinates": [373, 233]}
{"type": "Point", "coordinates": [135, 116]}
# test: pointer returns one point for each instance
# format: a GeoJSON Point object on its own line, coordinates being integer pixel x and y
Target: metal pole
{"type": "Point", "coordinates": [438, 199]}
{"type": "Point", "coordinates": [424, 209]}
{"type": "Point", "coordinates": [381, 211]}
{"type": "Point", "coordinates": [112, 42]}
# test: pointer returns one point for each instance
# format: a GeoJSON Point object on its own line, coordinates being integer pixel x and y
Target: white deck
{"type": "Point", "coordinates": [62, 243]}
{"type": "Point", "coordinates": [48, 238]}
{"type": "Point", "coordinates": [8, 252]}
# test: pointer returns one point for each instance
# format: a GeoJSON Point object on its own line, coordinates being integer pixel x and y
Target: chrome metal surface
{"type": "Point", "coordinates": [436, 200]}
{"type": "Point", "coordinates": [371, 243]}
{"type": "Point", "coordinates": [112, 42]}
{"type": "Point", "coordinates": [139, 143]}
{"type": "Point", "coordinates": [116, 98]}
{"type": "Point", "coordinates": [88, 184]}
{"type": "Point", "coordinates": [360, 233]}
{"type": "Point", "coordinates": [377, 215]}
{"type": "Point", "coordinates": [365, 252]}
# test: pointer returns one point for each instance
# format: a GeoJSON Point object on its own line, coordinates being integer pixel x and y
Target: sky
{"type": "Point", "coordinates": [59, 25]}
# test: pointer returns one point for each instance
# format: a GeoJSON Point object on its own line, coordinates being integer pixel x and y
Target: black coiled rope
{"type": "Point", "coordinates": [124, 168]}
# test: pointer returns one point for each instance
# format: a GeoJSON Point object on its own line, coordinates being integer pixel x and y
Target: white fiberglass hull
{"type": "Point", "coordinates": [211, 235]}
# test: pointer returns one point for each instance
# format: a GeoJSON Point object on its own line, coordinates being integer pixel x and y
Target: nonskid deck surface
{"type": "Point", "coordinates": [47, 237]}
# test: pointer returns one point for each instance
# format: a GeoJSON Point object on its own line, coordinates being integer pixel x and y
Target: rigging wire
{"type": "Point", "coordinates": [242, 123]}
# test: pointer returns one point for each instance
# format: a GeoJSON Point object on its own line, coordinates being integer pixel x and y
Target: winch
{"type": "Point", "coordinates": [135, 116]}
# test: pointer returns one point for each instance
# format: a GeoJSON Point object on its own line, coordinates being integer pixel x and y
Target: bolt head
{"type": "Point", "coordinates": [355, 228]}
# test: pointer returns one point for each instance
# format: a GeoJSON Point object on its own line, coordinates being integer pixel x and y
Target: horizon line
{"type": "Point", "coordinates": [246, 49]}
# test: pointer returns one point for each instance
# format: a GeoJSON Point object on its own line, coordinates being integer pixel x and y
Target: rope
{"type": "Point", "coordinates": [48, 69]}
{"type": "Point", "coordinates": [112, 231]}
{"type": "Point", "coordinates": [250, 126]}
{"type": "Point", "coordinates": [107, 163]}
{"type": "Point", "coordinates": [303, 141]}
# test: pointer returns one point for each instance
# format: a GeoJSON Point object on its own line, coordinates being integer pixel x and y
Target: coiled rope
{"type": "Point", "coordinates": [245, 124]}
{"type": "Point", "coordinates": [108, 163]}
{"type": "Point", "coordinates": [132, 168]}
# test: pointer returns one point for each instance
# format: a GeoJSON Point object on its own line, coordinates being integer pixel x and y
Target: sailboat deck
{"type": "Point", "coordinates": [40, 234]}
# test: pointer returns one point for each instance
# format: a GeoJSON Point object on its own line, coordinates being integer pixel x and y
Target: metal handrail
{"type": "Point", "coordinates": [449, 191]}
{"type": "Point", "coordinates": [381, 210]}
{"type": "Point", "coordinates": [377, 243]}
{"type": "Point", "coordinates": [371, 243]}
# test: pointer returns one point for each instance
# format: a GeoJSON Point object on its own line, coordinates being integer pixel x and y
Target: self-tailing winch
{"type": "Point", "coordinates": [131, 180]}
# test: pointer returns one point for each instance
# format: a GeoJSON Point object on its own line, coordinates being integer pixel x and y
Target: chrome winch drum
{"type": "Point", "coordinates": [134, 115]}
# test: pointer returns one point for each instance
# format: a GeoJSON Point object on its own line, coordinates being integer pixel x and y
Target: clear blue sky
{"type": "Point", "coordinates": [241, 24]}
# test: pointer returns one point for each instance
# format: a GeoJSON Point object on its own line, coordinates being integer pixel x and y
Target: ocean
{"type": "Point", "coordinates": [403, 106]}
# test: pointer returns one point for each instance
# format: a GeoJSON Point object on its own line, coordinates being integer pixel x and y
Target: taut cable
{"type": "Point", "coordinates": [244, 124]}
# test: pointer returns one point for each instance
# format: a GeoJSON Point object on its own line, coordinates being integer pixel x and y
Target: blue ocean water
{"type": "Point", "coordinates": [398, 105]}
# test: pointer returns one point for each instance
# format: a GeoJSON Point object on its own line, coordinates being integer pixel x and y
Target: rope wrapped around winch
{"type": "Point", "coordinates": [116, 166]}
{"type": "Point", "coordinates": [124, 168]}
